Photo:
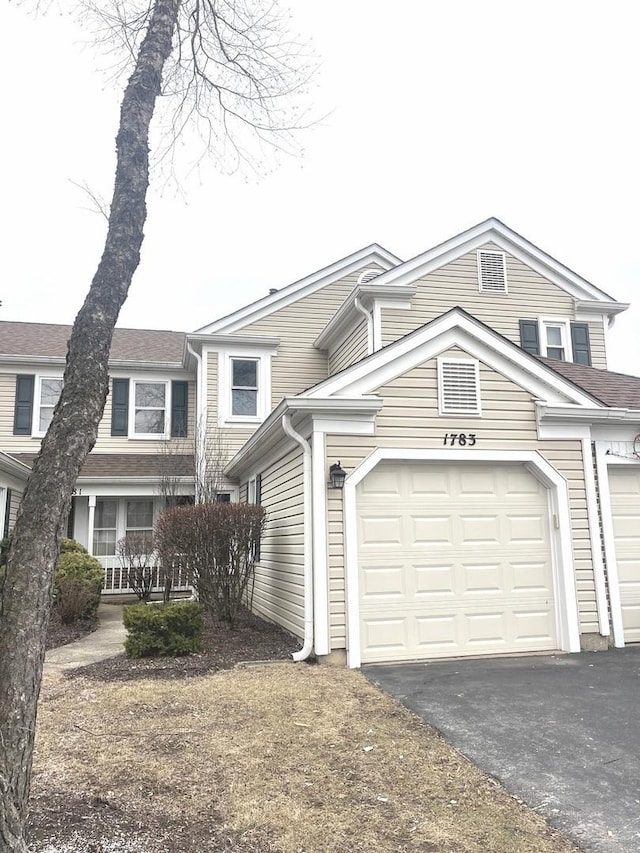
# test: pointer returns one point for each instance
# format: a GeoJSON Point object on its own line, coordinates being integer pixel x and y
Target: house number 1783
{"type": "Point", "coordinates": [462, 439]}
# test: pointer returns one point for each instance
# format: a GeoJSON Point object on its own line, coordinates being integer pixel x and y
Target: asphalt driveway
{"type": "Point", "coordinates": [560, 732]}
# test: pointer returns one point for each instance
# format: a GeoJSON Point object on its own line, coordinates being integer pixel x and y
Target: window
{"type": "Point", "coordinates": [244, 392]}
{"type": "Point", "coordinates": [50, 390]}
{"type": "Point", "coordinates": [554, 340]}
{"type": "Point", "coordinates": [104, 528]}
{"type": "Point", "coordinates": [492, 272]}
{"type": "Point", "coordinates": [458, 387]}
{"type": "Point", "coordinates": [149, 409]}
{"type": "Point", "coordinates": [139, 516]}
{"type": "Point", "coordinates": [244, 387]}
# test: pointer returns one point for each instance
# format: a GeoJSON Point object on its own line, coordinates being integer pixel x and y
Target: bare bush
{"type": "Point", "coordinates": [136, 552]}
{"type": "Point", "coordinates": [218, 545]}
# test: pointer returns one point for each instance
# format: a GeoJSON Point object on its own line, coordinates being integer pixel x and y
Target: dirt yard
{"type": "Point", "coordinates": [285, 757]}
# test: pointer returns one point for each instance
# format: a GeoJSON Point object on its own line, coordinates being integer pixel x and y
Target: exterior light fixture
{"type": "Point", "coordinates": [337, 476]}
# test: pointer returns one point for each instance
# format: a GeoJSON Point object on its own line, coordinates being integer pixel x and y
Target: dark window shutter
{"type": "Point", "coordinates": [258, 488]}
{"type": "Point", "coordinates": [7, 514]}
{"type": "Point", "coordinates": [120, 407]}
{"type": "Point", "coordinates": [580, 343]}
{"type": "Point", "coordinates": [23, 412]}
{"type": "Point", "coordinates": [529, 339]}
{"type": "Point", "coordinates": [179, 408]}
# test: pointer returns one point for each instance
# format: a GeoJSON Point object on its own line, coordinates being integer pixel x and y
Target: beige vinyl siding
{"type": "Point", "coordinates": [298, 365]}
{"type": "Point", "coordinates": [230, 439]}
{"type": "Point", "coordinates": [106, 443]}
{"type": "Point", "coordinates": [410, 419]}
{"type": "Point", "coordinates": [16, 498]}
{"type": "Point", "coordinates": [279, 578]}
{"type": "Point", "coordinates": [530, 296]}
{"type": "Point", "coordinates": [351, 349]}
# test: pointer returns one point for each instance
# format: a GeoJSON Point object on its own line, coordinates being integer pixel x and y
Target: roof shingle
{"type": "Point", "coordinates": [613, 389]}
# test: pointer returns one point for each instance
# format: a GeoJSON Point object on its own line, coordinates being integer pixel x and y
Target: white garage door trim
{"type": "Point", "coordinates": [604, 461]}
{"type": "Point", "coordinates": [562, 559]}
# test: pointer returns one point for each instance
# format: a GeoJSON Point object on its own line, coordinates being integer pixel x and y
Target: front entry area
{"type": "Point", "coordinates": [454, 559]}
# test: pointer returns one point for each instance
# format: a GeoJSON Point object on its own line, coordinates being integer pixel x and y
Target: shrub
{"type": "Point", "coordinates": [135, 552]}
{"type": "Point", "coordinates": [78, 583]}
{"type": "Point", "coordinates": [70, 546]}
{"type": "Point", "coordinates": [218, 545]}
{"type": "Point", "coordinates": [164, 630]}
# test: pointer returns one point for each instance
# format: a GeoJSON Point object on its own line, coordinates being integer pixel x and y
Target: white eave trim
{"type": "Point", "coordinates": [13, 466]}
{"type": "Point", "coordinates": [372, 254]}
{"type": "Point", "coordinates": [582, 414]}
{"type": "Point", "coordinates": [496, 232]}
{"type": "Point", "coordinates": [59, 360]}
{"type": "Point", "coordinates": [594, 306]}
{"type": "Point", "coordinates": [347, 316]}
{"type": "Point", "coordinates": [250, 341]}
{"type": "Point", "coordinates": [271, 430]}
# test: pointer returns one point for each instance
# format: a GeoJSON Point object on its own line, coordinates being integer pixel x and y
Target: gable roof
{"type": "Point", "coordinates": [48, 341]}
{"type": "Point", "coordinates": [494, 231]}
{"type": "Point", "coordinates": [373, 254]}
{"type": "Point", "coordinates": [612, 389]}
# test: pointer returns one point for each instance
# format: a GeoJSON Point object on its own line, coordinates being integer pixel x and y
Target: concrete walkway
{"type": "Point", "coordinates": [105, 642]}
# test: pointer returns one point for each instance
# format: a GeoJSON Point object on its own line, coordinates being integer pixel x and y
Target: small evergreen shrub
{"type": "Point", "coordinates": [78, 583]}
{"type": "Point", "coordinates": [165, 630]}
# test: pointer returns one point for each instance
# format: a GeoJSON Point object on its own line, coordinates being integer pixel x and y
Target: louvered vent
{"type": "Point", "coordinates": [492, 272]}
{"type": "Point", "coordinates": [368, 275]}
{"type": "Point", "coordinates": [458, 387]}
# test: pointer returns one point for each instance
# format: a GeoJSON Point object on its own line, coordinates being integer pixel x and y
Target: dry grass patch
{"type": "Point", "coordinates": [278, 757]}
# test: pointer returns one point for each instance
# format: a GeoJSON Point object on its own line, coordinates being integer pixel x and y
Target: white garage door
{"type": "Point", "coordinates": [454, 559]}
{"type": "Point", "coordinates": [624, 485]}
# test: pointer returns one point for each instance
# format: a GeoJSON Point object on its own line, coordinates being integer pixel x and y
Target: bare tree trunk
{"type": "Point", "coordinates": [39, 527]}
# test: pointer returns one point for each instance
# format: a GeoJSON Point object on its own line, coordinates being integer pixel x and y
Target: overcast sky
{"type": "Point", "coordinates": [438, 115]}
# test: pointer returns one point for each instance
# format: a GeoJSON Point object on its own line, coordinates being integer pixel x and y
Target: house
{"type": "Point", "coordinates": [492, 482]}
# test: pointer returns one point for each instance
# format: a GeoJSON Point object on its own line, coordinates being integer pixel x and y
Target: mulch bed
{"type": "Point", "coordinates": [59, 634]}
{"type": "Point", "coordinates": [251, 639]}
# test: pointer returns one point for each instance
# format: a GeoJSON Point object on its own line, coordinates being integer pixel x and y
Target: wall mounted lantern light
{"type": "Point", "coordinates": [337, 476]}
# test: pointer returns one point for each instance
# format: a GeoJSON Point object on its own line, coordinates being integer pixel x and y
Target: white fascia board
{"type": "Point", "coordinates": [587, 415]}
{"type": "Point", "coordinates": [593, 306]}
{"type": "Point", "coordinates": [494, 231]}
{"type": "Point", "coordinates": [341, 410]}
{"type": "Point", "coordinates": [9, 465]}
{"type": "Point", "coordinates": [452, 329]}
{"type": "Point", "coordinates": [292, 292]}
{"type": "Point", "coordinates": [224, 341]}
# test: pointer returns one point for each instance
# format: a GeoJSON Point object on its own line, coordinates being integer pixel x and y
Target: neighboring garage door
{"type": "Point", "coordinates": [454, 559]}
{"type": "Point", "coordinates": [624, 485]}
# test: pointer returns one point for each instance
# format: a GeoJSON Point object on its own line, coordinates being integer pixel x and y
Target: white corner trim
{"type": "Point", "coordinates": [594, 538]}
{"type": "Point", "coordinates": [320, 554]}
{"type": "Point", "coordinates": [602, 466]}
{"type": "Point", "coordinates": [567, 622]}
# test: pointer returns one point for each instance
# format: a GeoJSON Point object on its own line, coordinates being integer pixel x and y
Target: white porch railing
{"type": "Point", "coordinates": [116, 578]}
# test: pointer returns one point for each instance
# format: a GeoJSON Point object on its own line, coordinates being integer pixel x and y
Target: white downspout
{"type": "Point", "coordinates": [305, 651]}
{"type": "Point", "coordinates": [360, 307]}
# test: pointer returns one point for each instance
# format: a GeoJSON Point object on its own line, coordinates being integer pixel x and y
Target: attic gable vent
{"type": "Point", "coordinates": [492, 272]}
{"type": "Point", "coordinates": [458, 387]}
{"type": "Point", "coordinates": [368, 275]}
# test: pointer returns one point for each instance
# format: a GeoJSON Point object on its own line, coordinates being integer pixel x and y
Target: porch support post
{"type": "Point", "coordinates": [92, 514]}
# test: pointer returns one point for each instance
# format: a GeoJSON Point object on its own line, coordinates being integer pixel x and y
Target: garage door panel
{"type": "Point", "coordinates": [379, 530]}
{"type": "Point", "coordinates": [624, 486]}
{"type": "Point", "coordinates": [388, 581]}
{"type": "Point", "coordinates": [477, 579]}
{"type": "Point", "coordinates": [431, 531]}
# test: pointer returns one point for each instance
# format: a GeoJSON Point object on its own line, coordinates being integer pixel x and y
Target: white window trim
{"type": "Point", "coordinates": [564, 324]}
{"type": "Point", "coordinates": [488, 290]}
{"type": "Point", "coordinates": [458, 413]}
{"type": "Point", "coordinates": [225, 377]}
{"type": "Point", "coordinates": [37, 394]}
{"type": "Point", "coordinates": [149, 380]}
